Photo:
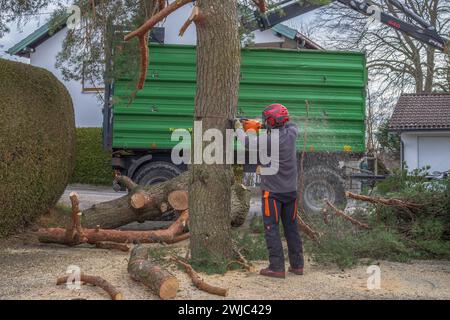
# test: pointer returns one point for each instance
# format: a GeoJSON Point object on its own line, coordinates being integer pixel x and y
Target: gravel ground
{"type": "Point", "coordinates": [30, 269]}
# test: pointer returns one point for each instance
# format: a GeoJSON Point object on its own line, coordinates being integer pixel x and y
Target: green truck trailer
{"type": "Point", "coordinates": [324, 91]}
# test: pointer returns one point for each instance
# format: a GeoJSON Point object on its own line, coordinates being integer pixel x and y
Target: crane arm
{"type": "Point", "coordinates": [288, 9]}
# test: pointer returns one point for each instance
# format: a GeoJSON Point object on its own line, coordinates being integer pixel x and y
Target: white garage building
{"type": "Point", "coordinates": [423, 122]}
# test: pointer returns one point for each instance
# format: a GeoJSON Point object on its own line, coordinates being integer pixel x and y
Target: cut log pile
{"type": "Point", "coordinates": [154, 201]}
{"type": "Point", "coordinates": [140, 204]}
{"type": "Point", "coordinates": [151, 202]}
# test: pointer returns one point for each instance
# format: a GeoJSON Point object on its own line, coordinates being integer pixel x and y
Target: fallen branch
{"type": "Point", "coordinates": [384, 201]}
{"type": "Point", "coordinates": [179, 238]}
{"type": "Point", "coordinates": [242, 260]}
{"type": "Point", "coordinates": [306, 229]}
{"type": "Point", "coordinates": [112, 245]}
{"type": "Point", "coordinates": [92, 236]}
{"type": "Point", "coordinates": [198, 282]}
{"type": "Point", "coordinates": [325, 215]}
{"type": "Point", "coordinates": [74, 233]}
{"type": "Point", "coordinates": [125, 181]}
{"type": "Point", "coordinates": [340, 213]}
{"type": "Point", "coordinates": [96, 281]}
{"type": "Point", "coordinates": [158, 279]}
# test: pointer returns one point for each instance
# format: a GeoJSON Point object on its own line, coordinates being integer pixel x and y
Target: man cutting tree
{"type": "Point", "coordinates": [279, 189]}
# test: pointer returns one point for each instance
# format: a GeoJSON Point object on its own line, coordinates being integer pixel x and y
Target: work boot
{"type": "Point", "coordinates": [274, 274]}
{"type": "Point", "coordinates": [297, 271]}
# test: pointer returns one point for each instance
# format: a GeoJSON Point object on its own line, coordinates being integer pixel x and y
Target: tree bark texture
{"type": "Point", "coordinates": [116, 213]}
{"type": "Point", "coordinates": [158, 279]}
{"type": "Point", "coordinates": [96, 281]}
{"type": "Point", "coordinates": [93, 236]}
{"type": "Point", "coordinates": [199, 282]}
{"type": "Point", "coordinates": [218, 69]}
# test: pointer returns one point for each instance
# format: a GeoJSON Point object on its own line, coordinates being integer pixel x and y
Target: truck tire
{"type": "Point", "coordinates": [321, 183]}
{"type": "Point", "coordinates": [156, 172]}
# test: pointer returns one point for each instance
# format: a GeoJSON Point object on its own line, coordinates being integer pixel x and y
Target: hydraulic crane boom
{"type": "Point", "coordinates": [289, 9]}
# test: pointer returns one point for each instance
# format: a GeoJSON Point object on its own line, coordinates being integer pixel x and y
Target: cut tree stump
{"type": "Point", "coordinates": [148, 272]}
{"type": "Point", "coordinates": [116, 213]}
{"type": "Point", "coordinates": [179, 200]}
{"type": "Point", "coordinates": [96, 281]}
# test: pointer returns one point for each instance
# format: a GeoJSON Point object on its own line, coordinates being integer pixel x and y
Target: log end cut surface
{"type": "Point", "coordinates": [169, 288]}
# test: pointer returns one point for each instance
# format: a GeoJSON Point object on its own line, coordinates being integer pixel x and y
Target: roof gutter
{"type": "Point", "coordinates": [419, 129]}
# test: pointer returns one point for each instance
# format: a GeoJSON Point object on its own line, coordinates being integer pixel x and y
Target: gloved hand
{"type": "Point", "coordinates": [238, 124]}
{"type": "Point", "coordinates": [251, 124]}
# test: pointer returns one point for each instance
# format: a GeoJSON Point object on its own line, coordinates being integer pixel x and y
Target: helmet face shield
{"type": "Point", "coordinates": [275, 115]}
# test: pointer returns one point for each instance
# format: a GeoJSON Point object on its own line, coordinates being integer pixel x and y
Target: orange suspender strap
{"type": "Point", "coordinates": [266, 204]}
{"type": "Point", "coordinates": [276, 210]}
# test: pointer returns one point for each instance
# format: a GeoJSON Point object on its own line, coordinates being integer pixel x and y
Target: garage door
{"type": "Point", "coordinates": [434, 152]}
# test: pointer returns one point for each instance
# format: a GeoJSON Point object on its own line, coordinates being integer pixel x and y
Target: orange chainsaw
{"type": "Point", "coordinates": [250, 124]}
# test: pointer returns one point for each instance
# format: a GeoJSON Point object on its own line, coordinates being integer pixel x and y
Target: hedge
{"type": "Point", "coordinates": [93, 164]}
{"type": "Point", "coordinates": [37, 143]}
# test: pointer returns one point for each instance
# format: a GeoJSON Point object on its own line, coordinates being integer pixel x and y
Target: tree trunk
{"type": "Point", "coordinates": [116, 213]}
{"type": "Point", "coordinates": [159, 280]}
{"type": "Point", "coordinates": [218, 67]}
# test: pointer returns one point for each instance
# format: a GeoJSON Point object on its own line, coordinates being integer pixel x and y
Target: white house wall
{"type": "Point", "coordinates": [87, 106]}
{"type": "Point", "coordinates": [175, 21]}
{"type": "Point", "coordinates": [424, 148]}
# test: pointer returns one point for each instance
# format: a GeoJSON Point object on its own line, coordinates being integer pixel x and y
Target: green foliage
{"type": "Point", "coordinates": [100, 31]}
{"type": "Point", "coordinates": [396, 234]}
{"type": "Point", "coordinates": [161, 254]}
{"type": "Point", "coordinates": [252, 246]}
{"type": "Point", "coordinates": [57, 217]}
{"type": "Point", "coordinates": [93, 164]}
{"type": "Point", "coordinates": [428, 229]}
{"type": "Point", "coordinates": [345, 246]}
{"type": "Point", "coordinates": [209, 263]}
{"type": "Point", "coordinates": [257, 225]}
{"type": "Point", "coordinates": [389, 142]}
{"type": "Point", "coordinates": [37, 139]}
{"type": "Point", "coordinates": [19, 11]}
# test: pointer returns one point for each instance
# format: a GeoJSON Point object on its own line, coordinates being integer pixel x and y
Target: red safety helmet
{"type": "Point", "coordinates": [275, 115]}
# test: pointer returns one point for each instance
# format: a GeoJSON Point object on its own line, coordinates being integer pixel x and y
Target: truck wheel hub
{"type": "Point", "coordinates": [316, 192]}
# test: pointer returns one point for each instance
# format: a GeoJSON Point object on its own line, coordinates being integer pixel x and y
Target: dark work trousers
{"type": "Point", "coordinates": [276, 206]}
